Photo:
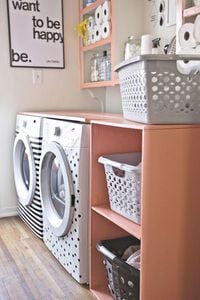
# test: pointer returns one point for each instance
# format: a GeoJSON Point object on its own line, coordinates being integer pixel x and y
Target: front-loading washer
{"type": "Point", "coordinates": [26, 161]}
{"type": "Point", "coordinates": [64, 183]}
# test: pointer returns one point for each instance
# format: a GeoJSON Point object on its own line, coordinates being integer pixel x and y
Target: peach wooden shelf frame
{"type": "Point", "coordinates": [192, 11]}
{"type": "Point", "coordinates": [130, 227]}
{"type": "Point", "coordinates": [103, 42]}
{"type": "Point", "coordinates": [90, 8]}
{"type": "Point", "coordinates": [170, 223]}
{"type": "Point", "coordinates": [96, 45]}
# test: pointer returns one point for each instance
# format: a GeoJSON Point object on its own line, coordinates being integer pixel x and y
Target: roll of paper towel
{"type": "Point", "coordinates": [189, 66]}
{"type": "Point", "coordinates": [98, 15]}
{"type": "Point", "coordinates": [97, 32]}
{"type": "Point", "coordinates": [197, 29]}
{"type": "Point", "coordinates": [106, 29]}
{"type": "Point", "coordinates": [106, 11]}
{"type": "Point", "coordinates": [92, 37]}
{"type": "Point", "coordinates": [146, 44]}
{"type": "Point", "coordinates": [186, 36]}
{"type": "Point", "coordinates": [91, 23]}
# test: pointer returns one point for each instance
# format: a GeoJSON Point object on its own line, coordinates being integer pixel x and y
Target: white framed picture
{"type": "Point", "coordinates": [36, 33]}
{"type": "Point", "coordinates": [171, 12]}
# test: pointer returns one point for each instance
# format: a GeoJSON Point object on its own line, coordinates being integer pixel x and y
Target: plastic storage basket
{"type": "Point", "coordinates": [123, 279]}
{"type": "Point", "coordinates": [123, 176]}
{"type": "Point", "coordinates": [160, 89]}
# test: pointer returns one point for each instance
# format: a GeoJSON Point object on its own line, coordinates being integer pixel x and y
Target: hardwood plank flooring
{"type": "Point", "coordinates": [28, 270]}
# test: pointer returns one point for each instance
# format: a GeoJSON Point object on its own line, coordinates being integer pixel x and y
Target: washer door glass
{"type": "Point", "coordinates": [24, 169]}
{"type": "Point", "coordinates": [56, 189]}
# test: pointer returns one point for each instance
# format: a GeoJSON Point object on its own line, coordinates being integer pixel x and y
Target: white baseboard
{"type": "Point", "coordinates": [8, 212]}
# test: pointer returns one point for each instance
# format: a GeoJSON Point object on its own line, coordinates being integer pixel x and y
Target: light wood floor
{"type": "Point", "coordinates": [28, 271]}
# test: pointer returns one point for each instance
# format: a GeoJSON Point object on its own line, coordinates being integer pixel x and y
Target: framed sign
{"type": "Point", "coordinates": [36, 33]}
{"type": "Point", "coordinates": [171, 12]}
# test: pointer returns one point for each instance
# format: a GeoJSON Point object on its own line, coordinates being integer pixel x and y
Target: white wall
{"type": "Point", "coordinates": [166, 33]}
{"type": "Point", "coordinates": [143, 18]}
{"type": "Point", "coordinates": [127, 24]}
{"type": "Point", "coordinates": [59, 90]}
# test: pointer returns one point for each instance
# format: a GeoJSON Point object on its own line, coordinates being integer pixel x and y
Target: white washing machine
{"type": "Point", "coordinates": [64, 183]}
{"type": "Point", "coordinates": [26, 161]}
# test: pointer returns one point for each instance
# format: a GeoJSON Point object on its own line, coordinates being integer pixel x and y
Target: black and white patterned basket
{"type": "Point", "coordinates": [123, 279]}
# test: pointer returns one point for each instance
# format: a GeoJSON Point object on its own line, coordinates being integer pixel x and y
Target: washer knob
{"type": "Point", "coordinates": [57, 131]}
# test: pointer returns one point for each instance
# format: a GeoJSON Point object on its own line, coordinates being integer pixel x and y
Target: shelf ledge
{"type": "Point", "coordinates": [97, 44]}
{"type": "Point", "coordinates": [88, 85]}
{"type": "Point", "coordinates": [192, 11]}
{"type": "Point", "coordinates": [129, 226]}
{"type": "Point", "coordinates": [101, 292]}
{"type": "Point", "coordinates": [91, 7]}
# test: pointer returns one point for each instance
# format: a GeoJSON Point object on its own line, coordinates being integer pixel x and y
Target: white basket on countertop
{"type": "Point", "coordinates": [161, 89]}
{"type": "Point", "coordinates": [123, 176]}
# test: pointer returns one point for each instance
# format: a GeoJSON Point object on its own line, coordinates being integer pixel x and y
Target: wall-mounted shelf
{"type": "Point", "coordinates": [88, 85]}
{"type": "Point", "coordinates": [122, 25]}
{"type": "Point", "coordinates": [87, 51]}
{"type": "Point", "coordinates": [91, 7]}
{"type": "Point", "coordinates": [96, 45]}
{"type": "Point", "coordinates": [192, 11]}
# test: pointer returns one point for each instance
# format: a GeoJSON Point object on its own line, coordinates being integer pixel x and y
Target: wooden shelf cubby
{"type": "Point", "coordinates": [129, 226]}
{"type": "Point", "coordinates": [170, 223]}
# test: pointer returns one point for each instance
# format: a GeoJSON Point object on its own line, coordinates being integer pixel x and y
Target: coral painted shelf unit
{"type": "Point", "coordinates": [170, 223]}
{"type": "Point", "coordinates": [87, 51]}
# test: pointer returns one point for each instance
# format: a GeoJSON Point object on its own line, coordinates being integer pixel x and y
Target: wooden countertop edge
{"type": "Point", "coordinates": [107, 119]}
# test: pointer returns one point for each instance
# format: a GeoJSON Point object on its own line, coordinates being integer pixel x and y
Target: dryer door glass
{"type": "Point", "coordinates": [24, 169]}
{"type": "Point", "coordinates": [57, 188]}
{"type": "Point", "coordinates": [57, 192]}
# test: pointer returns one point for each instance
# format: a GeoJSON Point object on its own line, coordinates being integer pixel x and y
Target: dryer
{"type": "Point", "coordinates": [26, 161]}
{"type": "Point", "coordinates": [64, 183]}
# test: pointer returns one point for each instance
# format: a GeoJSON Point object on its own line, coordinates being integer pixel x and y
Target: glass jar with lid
{"type": "Point", "coordinates": [105, 67]}
{"type": "Point", "coordinates": [95, 67]}
{"type": "Point", "coordinates": [132, 47]}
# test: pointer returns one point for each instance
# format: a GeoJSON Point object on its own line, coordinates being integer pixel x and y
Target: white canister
{"type": "Point", "coordinates": [146, 44]}
{"type": "Point", "coordinates": [132, 47]}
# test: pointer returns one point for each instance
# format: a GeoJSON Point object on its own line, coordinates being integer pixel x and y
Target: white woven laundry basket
{"type": "Point", "coordinates": [123, 177]}
{"type": "Point", "coordinates": [161, 89]}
